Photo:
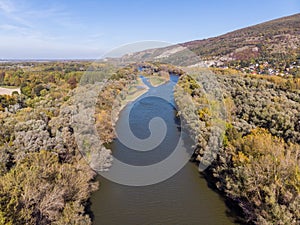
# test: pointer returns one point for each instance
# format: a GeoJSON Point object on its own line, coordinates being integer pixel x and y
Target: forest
{"type": "Point", "coordinates": [253, 121]}
{"type": "Point", "coordinates": [45, 179]}
{"type": "Point", "coordinates": [257, 164]}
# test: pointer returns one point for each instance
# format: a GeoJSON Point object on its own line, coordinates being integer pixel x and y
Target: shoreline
{"type": "Point", "coordinates": [136, 94]}
{"type": "Point", "coordinates": [161, 83]}
{"type": "Point", "coordinates": [128, 99]}
{"type": "Point", "coordinates": [134, 97]}
{"type": "Point", "coordinates": [144, 89]}
{"type": "Point", "coordinates": [156, 81]}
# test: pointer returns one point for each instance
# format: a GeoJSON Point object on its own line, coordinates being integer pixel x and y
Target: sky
{"type": "Point", "coordinates": [86, 29]}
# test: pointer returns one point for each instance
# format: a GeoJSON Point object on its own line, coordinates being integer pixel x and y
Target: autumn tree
{"type": "Point", "coordinates": [41, 190]}
{"type": "Point", "coordinates": [72, 82]}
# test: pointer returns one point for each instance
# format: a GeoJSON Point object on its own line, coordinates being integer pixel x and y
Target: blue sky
{"type": "Point", "coordinates": [33, 29]}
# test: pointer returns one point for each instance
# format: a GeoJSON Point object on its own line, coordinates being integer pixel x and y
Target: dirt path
{"type": "Point", "coordinates": [8, 91]}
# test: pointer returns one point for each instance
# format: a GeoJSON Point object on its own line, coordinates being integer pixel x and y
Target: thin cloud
{"type": "Point", "coordinates": [9, 27]}
{"type": "Point", "coordinates": [38, 29]}
{"type": "Point", "coordinates": [12, 13]}
{"type": "Point", "coordinates": [27, 15]}
{"type": "Point", "coordinates": [6, 6]}
{"type": "Point", "coordinates": [51, 12]}
{"type": "Point", "coordinates": [26, 21]}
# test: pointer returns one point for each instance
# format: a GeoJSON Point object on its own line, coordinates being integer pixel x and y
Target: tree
{"type": "Point", "coordinates": [26, 89]}
{"type": "Point", "coordinates": [37, 90]}
{"type": "Point", "coordinates": [2, 77]}
{"type": "Point", "coordinates": [39, 188]}
{"type": "Point", "coordinates": [72, 82]}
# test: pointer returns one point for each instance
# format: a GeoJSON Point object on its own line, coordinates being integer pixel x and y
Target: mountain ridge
{"type": "Point", "coordinates": [275, 42]}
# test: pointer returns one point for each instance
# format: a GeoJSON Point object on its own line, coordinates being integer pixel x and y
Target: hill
{"type": "Point", "coordinates": [272, 47]}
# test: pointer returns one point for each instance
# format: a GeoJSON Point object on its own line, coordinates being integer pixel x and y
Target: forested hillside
{"type": "Point", "coordinates": [271, 48]}
{"type": "Point", "coordinates": [276, 42]}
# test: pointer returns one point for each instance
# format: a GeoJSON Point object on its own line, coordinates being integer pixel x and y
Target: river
{"type": "Point", "coordinates": [183, 199]}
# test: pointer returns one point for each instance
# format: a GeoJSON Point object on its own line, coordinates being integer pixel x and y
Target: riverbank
{"type": "Point", "coordinates": [156, 81]}
{"type": "Point", "coordinates": [254, 168]}
{"type": "Point", "coordinates": [184, 198]}
{"type": "Point", "coordinates": [134, 92]}
{"type": "Point", "coordinates": [140, 88]}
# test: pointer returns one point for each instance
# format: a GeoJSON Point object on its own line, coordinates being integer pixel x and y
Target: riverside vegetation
{"type": "Point", "coordinates": [45, 180]}
{"type": "Point", "coordinates": [43, 177]}
{"type": "Point", "coordinates": [257, 167]}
